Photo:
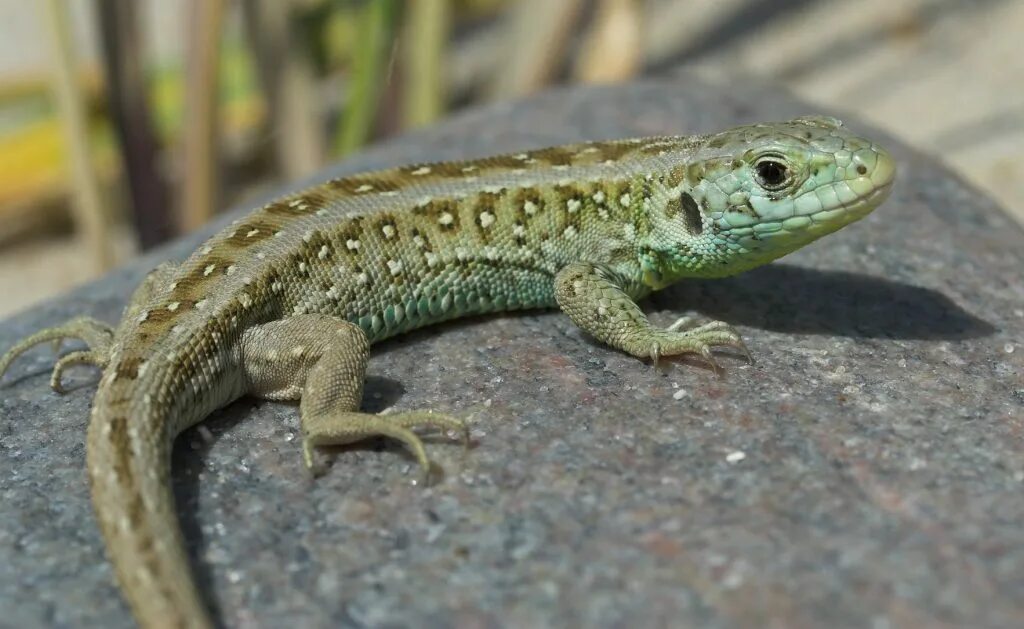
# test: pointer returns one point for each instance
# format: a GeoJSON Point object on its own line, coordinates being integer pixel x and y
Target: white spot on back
{"type": "Point", "coordinates": [486, 219]}
{"type": "Point", "coordinates": [423, 170]}
{"type": "Point", "coordinates": [364, 188]}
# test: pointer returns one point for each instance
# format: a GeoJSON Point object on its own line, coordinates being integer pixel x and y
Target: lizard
{"type": "Point", "coordinates": [285, 303]}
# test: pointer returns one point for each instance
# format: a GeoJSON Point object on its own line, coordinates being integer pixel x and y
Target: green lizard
{"type": "Point", "coordinates": [285, 303]}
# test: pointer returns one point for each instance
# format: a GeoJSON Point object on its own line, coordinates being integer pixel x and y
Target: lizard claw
{"type": "Point", "coordinates": [686, 337]}
{"type": "Point", "coordinates": [98, 336]}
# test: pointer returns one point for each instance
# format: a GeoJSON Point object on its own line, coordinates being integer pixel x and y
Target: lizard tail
{"type": "Point", "coordinates": [128, 451]}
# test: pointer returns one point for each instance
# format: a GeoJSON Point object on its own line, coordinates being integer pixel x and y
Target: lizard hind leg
{"type": "Point", "coordinates": [97, 335]}
{"type": "Point", "coordinates": [322, 361]}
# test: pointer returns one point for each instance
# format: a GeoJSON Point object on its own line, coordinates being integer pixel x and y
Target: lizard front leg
{"type": "Point", "coordinates": [595, 301]}
{"type": "Point", "coordinates": [322, 360]}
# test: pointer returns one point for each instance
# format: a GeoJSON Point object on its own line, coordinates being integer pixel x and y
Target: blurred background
{"type": "Point", "coordinates": [124, 123]}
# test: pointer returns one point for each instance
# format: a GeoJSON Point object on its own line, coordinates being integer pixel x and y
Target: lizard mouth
{"type": "Point", "coordinates": [856, 209]}
{"type": "Point", "coordinates": [880, 179]}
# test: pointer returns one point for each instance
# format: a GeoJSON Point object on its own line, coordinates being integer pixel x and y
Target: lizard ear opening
{"type": "Point", "coordinates": [691, 214]}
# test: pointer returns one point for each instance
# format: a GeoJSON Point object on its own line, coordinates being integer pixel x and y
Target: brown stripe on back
{"type": "Point", "coordinates": [287, 209]}
{"type": "Point", "coordinates": [186, 286]}
{"type": "Point", "coordinates": [500, 162]}
{"type": "Point", "coordinates": [607, 150]}
{"type": "Point", "coordinates": [251, 232]}
{"type": "Point", "coordinates": [128, 368]}
{"type": "Point", "coordinates": [387, 181]}
{"type": "Point", "coordinates": [161, 315]}
{"type": "Point", "coordinates": [315, 197]}
{"type": "Point", "coordinates": [664, 145]}
{"type": "Point", "coordinates": [441, 170]}
{"type": "Point", "coordinates": [555, 155]}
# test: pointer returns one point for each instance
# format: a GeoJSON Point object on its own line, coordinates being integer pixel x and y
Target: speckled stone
{"type": "Point", "coordinates": [867, 471]}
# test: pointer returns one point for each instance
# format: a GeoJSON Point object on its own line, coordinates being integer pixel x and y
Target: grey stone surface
{"type": "Point", "coordinates": [880, 484]}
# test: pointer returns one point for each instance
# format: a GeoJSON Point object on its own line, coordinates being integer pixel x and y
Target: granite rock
{"type": "Point", "coordinates": [867, 470]}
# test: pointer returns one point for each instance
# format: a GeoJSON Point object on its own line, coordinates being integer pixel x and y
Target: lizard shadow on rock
{"type": "Point", "coordinates": [791, 299]}
{"type": "Point", "coordinates": [191, 452]}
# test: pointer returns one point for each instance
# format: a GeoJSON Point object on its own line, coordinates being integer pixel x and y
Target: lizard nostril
{"type": "Point", "coordinates": [862, 169]}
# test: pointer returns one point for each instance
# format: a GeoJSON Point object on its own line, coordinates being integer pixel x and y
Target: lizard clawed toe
{"type": "Point", "coordinates": [686, 337]}
{"type": "Point", "coordinates": [98, 337]}
{"type": "Point", "coordinates": [351, 427]}
{"type": "Point", "coordinates": [84, 357]}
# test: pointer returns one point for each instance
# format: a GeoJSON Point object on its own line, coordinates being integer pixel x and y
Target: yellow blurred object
{"type": "Point", "coordinates": [612, 48]}
{"type": "Point", "coordinates": [33, 168]}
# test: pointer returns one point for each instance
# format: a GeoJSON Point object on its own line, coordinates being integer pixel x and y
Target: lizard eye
{"type": "Point", "coordinates": [771, 174]}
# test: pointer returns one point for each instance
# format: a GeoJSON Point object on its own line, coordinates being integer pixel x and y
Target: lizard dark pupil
{"type": "Point", "coordinates": [771, 173]}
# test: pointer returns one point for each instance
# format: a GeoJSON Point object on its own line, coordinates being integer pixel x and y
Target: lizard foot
{"type": "Point", "coordinates": [342, 428]}
{"type": "Point", "coordinates": [98, 336]}
{"type": "Point", "coordinates": [686, 337]}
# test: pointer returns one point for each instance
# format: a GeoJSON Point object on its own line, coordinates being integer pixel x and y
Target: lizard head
{"type": "Point", "coordinates": [752, 194]}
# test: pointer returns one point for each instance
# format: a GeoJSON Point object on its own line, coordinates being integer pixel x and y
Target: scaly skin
{"type": "Point", "coordinates": [285, 303]}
